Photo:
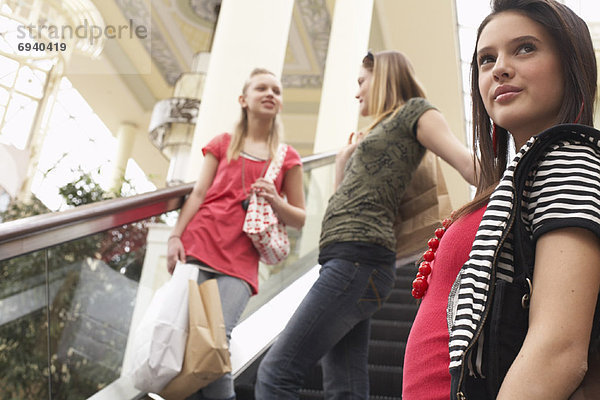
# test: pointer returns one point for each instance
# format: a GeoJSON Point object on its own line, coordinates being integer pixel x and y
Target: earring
{"type": "Point", "coordinates": [580, 112]}
{"type": "Point", "coordinates": [494, 139]}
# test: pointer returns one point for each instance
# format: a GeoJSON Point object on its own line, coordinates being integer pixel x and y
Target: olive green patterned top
{"type": "Point", "coordinates": [365, 206]}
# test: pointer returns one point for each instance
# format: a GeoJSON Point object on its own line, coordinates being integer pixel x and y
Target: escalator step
{"type": "Point", "coordinates": [385, 380]}
{"type": "Point", "coordinates": [404, 282]}
{"type": "Point", "coordinates": [305, 394]}
{"type": "Point", "coordinates": [385, 352]}
{"type": "Point", "coordinates": [318, 394]}
{"type": "Point", "coordinates": [309, 394]}
{"type": "Point", "coordinates": [396, 312]}
{"type": "Point", "coordinates": [401, 295]}
{"type": "Point", "coordinates": [408, 270]}
{"type": "Point", "coordinates": [384, 398]}
{"type": "Point", "coordinates": [390, 330]}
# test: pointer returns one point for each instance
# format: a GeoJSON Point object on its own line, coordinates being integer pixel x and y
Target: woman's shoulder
{"type": "Point", "coordinates": [417, 103]}
{"type": "Point", "coordinates": [564, 189]}
{"type": "Point", "coordinates": [566, 136]}
{"type": "Point", "coordinates": [415, 106]}
{"type": "Point", "coordinates": [292, 157]}
{"type": "Point", "coordinates": [410, 112]}
{"type": "Point", "coordinates": [581, 146]}
{"type": "Point", "coordinates": [220, 139]}
{"type": "Point", "coordinates": [568, 162]}
{"type": "Point", "coordinates": [218, 145]}
{"type": "Point", "coordinates": [224, 137]}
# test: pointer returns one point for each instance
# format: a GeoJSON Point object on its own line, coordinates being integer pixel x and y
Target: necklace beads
{"type": "Point", "coordinates": [420, 284]}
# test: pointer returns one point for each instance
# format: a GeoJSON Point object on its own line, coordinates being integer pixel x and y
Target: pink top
{"type": "Point", "coordinates": [426, 358]}
{"type": "Point", "coordinates": [214, 235]}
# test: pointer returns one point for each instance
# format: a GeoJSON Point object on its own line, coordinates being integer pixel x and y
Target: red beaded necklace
{"type": "Point", "coordinates": [420, 284]}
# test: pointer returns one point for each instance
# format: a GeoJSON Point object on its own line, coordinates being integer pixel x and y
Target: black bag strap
{"type": "Point", "coordinates": [523, 247]}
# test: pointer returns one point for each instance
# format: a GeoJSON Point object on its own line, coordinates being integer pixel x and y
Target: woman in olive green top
{"type": "Point", "coordinates": [357, 246]}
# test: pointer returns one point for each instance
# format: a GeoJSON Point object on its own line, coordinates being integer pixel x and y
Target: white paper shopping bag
{"type": "Point", "coordinates": [159, 341]}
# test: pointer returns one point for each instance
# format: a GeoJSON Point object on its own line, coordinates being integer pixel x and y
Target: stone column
{"type": "Point", "coordinates": [348, 44]}
{"type": "Point", "coordinates": [125, 139]}
{"type": "Point", "coordinates": [249, 34]}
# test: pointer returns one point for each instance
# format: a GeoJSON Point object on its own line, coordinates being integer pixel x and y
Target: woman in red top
{"type": "Point", "coordinates": [533, 67]}
{"type": "Point", "coordinates": [209, 232]}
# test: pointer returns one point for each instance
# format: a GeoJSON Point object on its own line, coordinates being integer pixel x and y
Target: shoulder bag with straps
{"type": "Point", "coordinates": [510, 305]}
{"type": "Point", "coordinates": [262, 226]}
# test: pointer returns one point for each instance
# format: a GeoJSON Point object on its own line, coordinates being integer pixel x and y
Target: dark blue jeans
{"type": "Point", "coordinates": [331, 324]}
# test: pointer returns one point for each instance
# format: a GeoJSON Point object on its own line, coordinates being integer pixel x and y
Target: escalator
{"type": "Point", "coordinates": [74, 284]}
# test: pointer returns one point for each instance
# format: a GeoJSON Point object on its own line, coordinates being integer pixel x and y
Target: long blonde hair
{"type": "Point", "coordinates": [393, 84]}
{"type": "Point", "coordinates": [241, 129]}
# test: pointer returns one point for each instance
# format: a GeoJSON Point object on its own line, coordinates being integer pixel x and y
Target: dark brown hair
{"type": "Point", "coordinates": [574, 43]}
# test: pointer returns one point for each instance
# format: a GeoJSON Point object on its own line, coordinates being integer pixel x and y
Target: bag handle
{"type": "Point", "coordinates": [276, 163]}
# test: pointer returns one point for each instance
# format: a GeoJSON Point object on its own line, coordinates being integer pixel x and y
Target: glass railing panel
{"type": "Point", "coordinates": [90, 313]}
{"type": "Point", "coordinates": [23, 328]}
{"type": "Point", "coordinates": [90, 288]}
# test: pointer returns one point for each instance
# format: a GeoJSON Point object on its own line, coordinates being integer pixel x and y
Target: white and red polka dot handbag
{"type": "Point", "coordinates": [262, 226]}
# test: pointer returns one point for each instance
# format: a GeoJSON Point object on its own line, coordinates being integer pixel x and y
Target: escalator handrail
{"type": "Point", "coordinates": [42, 231]}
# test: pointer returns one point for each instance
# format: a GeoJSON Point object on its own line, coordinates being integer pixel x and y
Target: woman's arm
{"type": "Point", "coordinates": [566, 281]}
{"type": "Point", "coordinates": [434, 133]}
{"type": "Point", "coordinates": [291, 212]}
{"type": "Point", "coordinates": [190, 207]}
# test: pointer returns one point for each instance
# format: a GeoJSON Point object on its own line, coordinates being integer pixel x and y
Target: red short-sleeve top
{"type": "Point", "coordinates": [214, 235]}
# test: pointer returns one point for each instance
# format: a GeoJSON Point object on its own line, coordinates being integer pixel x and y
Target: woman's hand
{"type": "Point", "coordinates": [344, 154]}
{"type": "Point", "coordinates": [265, 188]}
{"type": "Point", "coordinates": [356, 137]}
{"type": "Point", "coordinates": [175, 252]}
{"type": "Point", "coordinates": [290, 207]}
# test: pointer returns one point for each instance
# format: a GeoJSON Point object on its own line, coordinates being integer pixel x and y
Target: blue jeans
{"type": "Point", "coordinates": [332, 324]}
{"type": "Point", "coordinates": [235, 294]}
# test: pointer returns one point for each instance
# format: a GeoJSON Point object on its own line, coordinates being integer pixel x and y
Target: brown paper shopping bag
{"type": "Point", "coordinates": [425, 203]}
{"type": "Point", "coordinates": [206, 352]}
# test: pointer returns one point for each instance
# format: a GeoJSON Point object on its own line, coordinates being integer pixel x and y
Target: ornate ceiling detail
{"type": "Point", "coordinates": [308, 50]}
{"type": "Point", "coordinates": [155, 43]}
{"type": "Point", "coordinates": [302, 81]}
{"type": "Point", "coordinates": [307, 45]}
{"type": "Point", "coordinates": [317, 24]}
{"type": "Point", "coordinates": [206, 9]}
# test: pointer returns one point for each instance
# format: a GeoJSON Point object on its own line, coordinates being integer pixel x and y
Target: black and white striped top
{"type": "Point", "coordinates": [563, 190]}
